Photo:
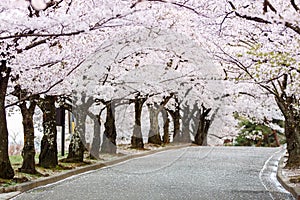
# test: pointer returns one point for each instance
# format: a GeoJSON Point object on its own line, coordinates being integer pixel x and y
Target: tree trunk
{"type": "Point", "coordinates": [176, 121]}
{"type": "Point", "coordinates": [94, 153]}
{"type": "Point", "coordinates": [154, 135]}
{"type": "Point", "coordinates": [292, 133]}
{"type": "Point", "coordinates": [6, 170]}
{"type": "Point", "coordinates": [76, 148]}
{"type": "Point", "coordinates": [201, 136]}
{"type": "Point", "coordinates": [110, 134]}
{"type": "Point", "coordinates": [292, 129]}
{"type": "Point", "coordinates": [185, 135]}
{"type": "Point", "coordinates": [48, 156]}
{"type": "Point", "coordinates": [203, 126]}
{"type": "Point", "coordinates": [28, 152]}
{"type": "Point", "coordinates": [77, 143]}
{"type": "Point", "coordinates": [166, 120]}
{"type": "Point", "coordinates": [176, 124]}
{"type": "Point", "coordinates": [137, 136]}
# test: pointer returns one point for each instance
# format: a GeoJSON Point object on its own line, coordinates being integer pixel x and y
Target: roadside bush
{"type": "Point", "coordinates": [258, 134]}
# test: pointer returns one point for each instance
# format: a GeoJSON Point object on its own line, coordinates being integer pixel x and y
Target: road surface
{"type": "Point", "coordinates": [190, 173]}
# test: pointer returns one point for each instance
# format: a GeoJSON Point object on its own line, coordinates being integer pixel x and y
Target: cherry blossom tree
{"type": "Point", "coordinates": [47, 41]}
{"type": "Point", "coordinates": [256, 42]}
{"type": "Point", "coordinates": [67, 29]}
{"type": "Point", "coordinates": [27, 109]}
{"type": "Point", "coordinates": [40, 29]}
{"type": "Point", "coordinates": [176, 69]}
{"type": "Point", "coordinates": [264, 53]}
{"type": "Point", "coordinates": [139, 65]}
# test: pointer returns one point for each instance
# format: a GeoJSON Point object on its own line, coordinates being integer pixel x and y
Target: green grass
{"type": "Point", "coordinates": [15, 159]}
{"type": "Point", "coordinates": [7, 183]}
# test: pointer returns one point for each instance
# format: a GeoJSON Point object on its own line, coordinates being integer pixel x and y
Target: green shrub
{"type": "Point", "coordinates": [254, 133]}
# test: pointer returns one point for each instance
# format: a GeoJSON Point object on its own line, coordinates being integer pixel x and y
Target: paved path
{"type": "Point", "coordinates": [189, 173]}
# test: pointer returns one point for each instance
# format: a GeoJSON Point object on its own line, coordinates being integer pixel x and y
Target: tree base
{"type": "Point", "coordinates": [72, 160]}
{"type": "Point", "coordinates": [48, 155]}
{"type": "Point", "coordinates": [28, 165]}
{"type": "Point", "coordinates": [76, 149]}
{"type": "Point", "coordinates": [6, 171]}
{"type": "Point", "coordinates": [293, 163]}
{"type": "Point", "coordinates": [155, 139]}
{"type": "Point", "coordinates": [92, 157]}
{"type": "Point", "coordinates": [137, 143]}
{"type": "Point", "coordinates": [27, 171]}
{"type": "Point", "coordinates": [49, 161]}
{"type": "Point", "coordinates": [108, 147]}
{"type": "Point", "coordinates": [75, 157]}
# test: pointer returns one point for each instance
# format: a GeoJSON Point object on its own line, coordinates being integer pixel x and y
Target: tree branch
{"type": "Point", "coordinates": [41, 35]}
{"type": "Point", "coordinates": [268, 4]}
{"type": "Point", "coordinates": [34, 44]}
{"type": "Point", "coordinates": [293, 27]}
{"type": "Point", "coordinates": [174, 3]}
{"type": "Point", "coordinates": [294, 5]}
{"type": "Point", "coordinates": [48, 89]}
{"type": "Point", "coordinates": [251, 18]}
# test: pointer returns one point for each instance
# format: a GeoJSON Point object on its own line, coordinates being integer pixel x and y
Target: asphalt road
{"type": "Point", "coordinates": [188, 173]}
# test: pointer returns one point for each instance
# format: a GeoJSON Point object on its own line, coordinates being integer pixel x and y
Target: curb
{"type": "Point", "coordinates": [285, 182]}
{"type": "Point", "coordinates": [23, 187]}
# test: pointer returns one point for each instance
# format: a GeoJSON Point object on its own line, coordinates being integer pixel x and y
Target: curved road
{"type": "Point", "coordinates": [188, 173]}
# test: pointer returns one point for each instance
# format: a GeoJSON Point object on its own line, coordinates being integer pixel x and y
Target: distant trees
{"type": "Point", "coordinates": [256, 41]}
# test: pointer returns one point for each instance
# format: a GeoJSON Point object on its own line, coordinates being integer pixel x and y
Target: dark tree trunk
{"type": "Point", "coordinates": [292, 131]}
{"type": "Point", "coordinates": [76, 148]}
{"type": "Point", "coordinates": [137, 136]}
{"type": "Point", "coordinates": [77, 143]}
{"type": "Point", "coordinates": [6, 170]}
{"type": "Point", "coordinates": [154, 135]}
{"type": "Point", "coordinates": [48, 156]}
{"type": "Point", "coordinates": [110, 134]}
{"type": "Point", "coordinates": [166, 120]}
{"type": "Point", "coordinates": [94, 153]}
{"type": "Point", "coordinates": [203, 126]}
{"type": "Point", "coordinates": [28, 152]}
